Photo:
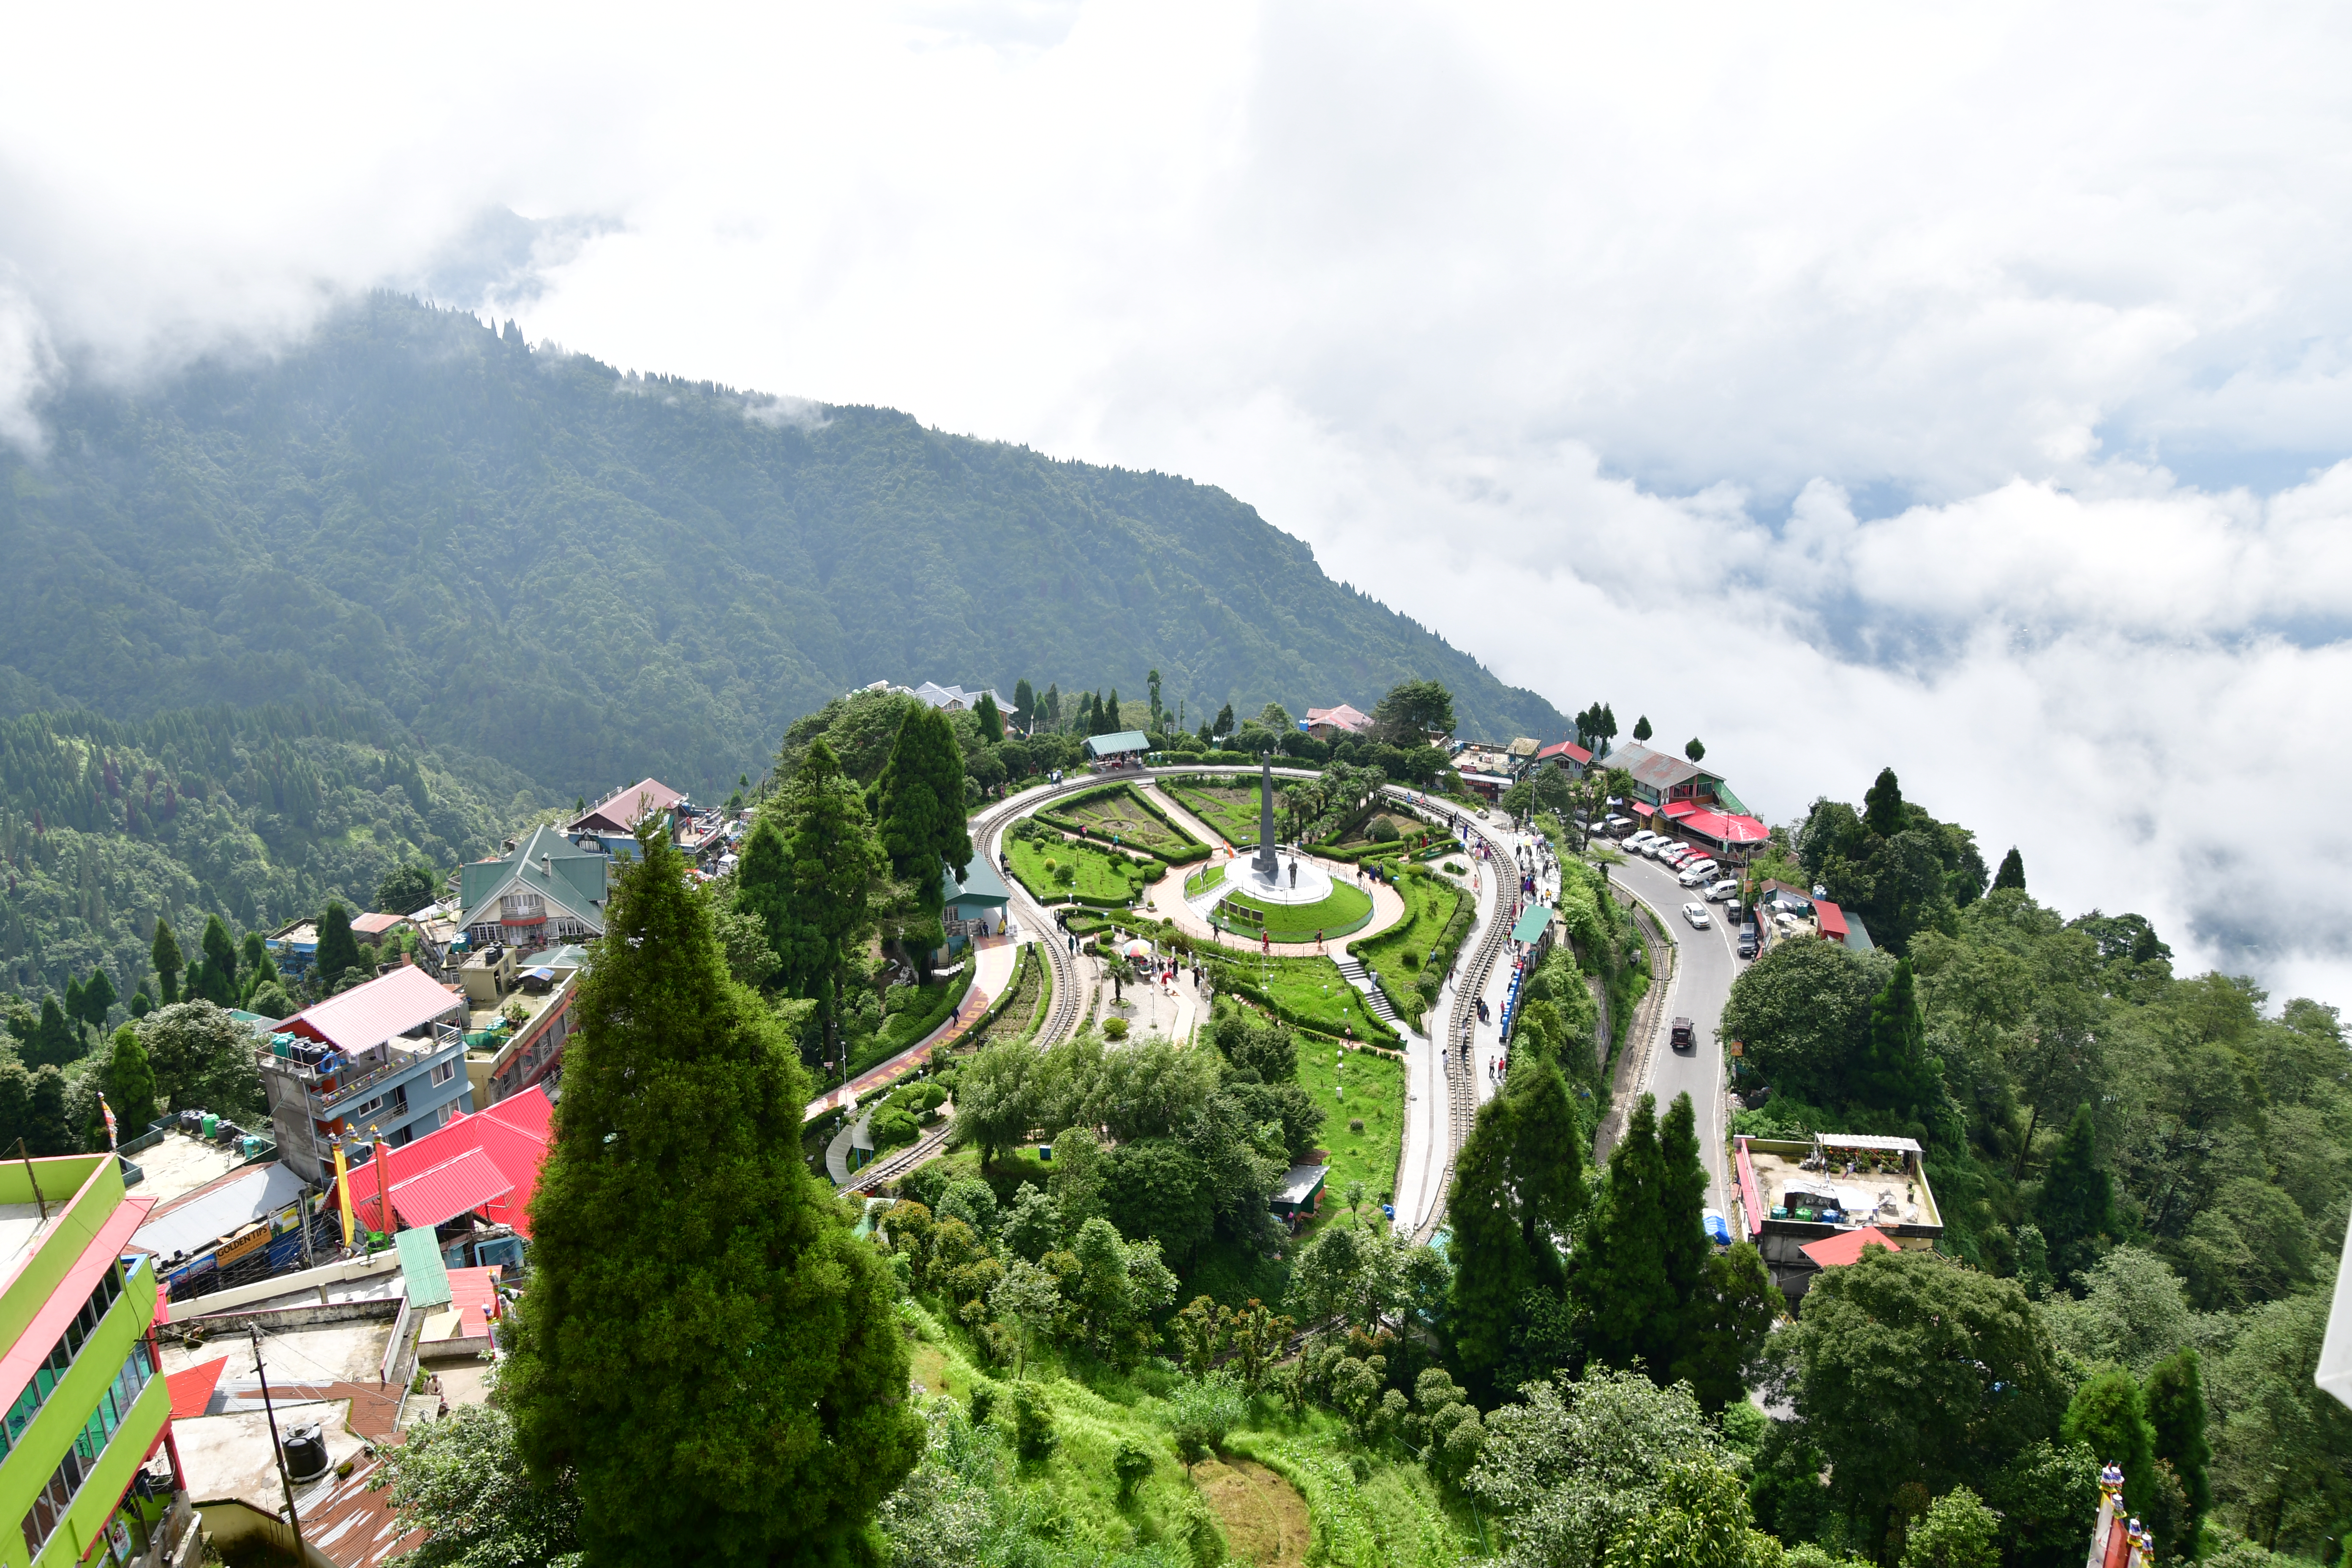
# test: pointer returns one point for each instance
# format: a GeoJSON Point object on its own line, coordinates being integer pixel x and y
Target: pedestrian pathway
{"type": "Point", "coordinates": [995, 957]}
{"type": "Point", "coordinates": [1376, 1001]}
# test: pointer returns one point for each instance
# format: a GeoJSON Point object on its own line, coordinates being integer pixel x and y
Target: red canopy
{"type": "Point", "coordinates": [1847, 1246]}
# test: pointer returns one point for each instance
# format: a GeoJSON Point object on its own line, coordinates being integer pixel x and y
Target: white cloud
{"type": "Point", "coordinates": [1962, 390]}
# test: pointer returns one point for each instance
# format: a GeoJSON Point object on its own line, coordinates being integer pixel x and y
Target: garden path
{"type": "Point", "coordinates": [995, 956]}
{"type": "Point", "coordinates": [1165, 899]}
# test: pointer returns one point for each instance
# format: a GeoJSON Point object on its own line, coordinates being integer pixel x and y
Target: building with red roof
{"type": "Point", "coordinates": [1846, 1248]}
{"type": "Point", "coordinates": [485, 1164]}
{"type": "Point", "coordinates": [1330, 723]}
{"type": "Point", "coordinates": [1567, 756]}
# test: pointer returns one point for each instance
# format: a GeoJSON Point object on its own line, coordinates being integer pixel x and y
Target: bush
{"type": "Point", "coordinates": [1114, 1028]}
{"type": "Point", "coordinates": [1032, 1422]}
{"type": "Point", "coordinates": [984, 1402]}
{"type": "Point", "coordinates": [1131, 1464]}
{"type": "Point", "coordinates": [1355, 1124]}
{"type": "Point", "coordinates": [1206, 1409]}
{"type": "Point", "coordinates": [1412, 961]}
{"type": "Point", "coordinates": [1383, 832]}
{"type": "Point", "coordinates": [894, 1128]}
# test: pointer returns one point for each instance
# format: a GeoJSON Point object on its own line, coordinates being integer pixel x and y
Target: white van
{"type": "Point", "coordinates": [1640, 842]}
{"type": "Point", "coordinates": [1723, 891]}
{"type": "Point", "coordinates": [1698, 873]}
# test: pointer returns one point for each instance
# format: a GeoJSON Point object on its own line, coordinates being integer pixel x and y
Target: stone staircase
{"type": "Point", "coordinates": [1376, 1001]}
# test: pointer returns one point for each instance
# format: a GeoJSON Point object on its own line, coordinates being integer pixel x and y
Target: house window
{"type": "Point", "coordinates": [444, 1073]}
{"type": "Point", "coordinates": [520, 907]}
{"type": "Point", "coordinates": [442, 1116]}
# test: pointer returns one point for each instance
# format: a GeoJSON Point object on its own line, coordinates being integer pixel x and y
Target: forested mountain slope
{"type": "Point", "coordinates": [590, 577]}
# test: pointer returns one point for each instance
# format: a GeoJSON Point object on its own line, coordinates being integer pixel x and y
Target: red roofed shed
{"type": "Point", "coordinates": [1847, 1246]}
{"type": "Point", "coordinates": [1831, 919]}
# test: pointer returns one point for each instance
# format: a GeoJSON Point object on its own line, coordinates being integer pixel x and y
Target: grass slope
{"type": "Point", "coordinates": [1428, 904]}
{"type": "Point", "coordinates": [1101, 876]}
{"type": "Point", "coordinates": [1371, 1087]}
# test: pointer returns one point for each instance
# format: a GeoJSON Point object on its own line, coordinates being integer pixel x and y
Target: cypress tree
{"type": "Point", "coordinates": [140, 1003]}
{"type": "Point", "coordinates": [130, 1082]}
{"type": "Point", "coordinates": [2110, 1414]}
{"type": "Point", "coordinates": [339, 949]}
{"type": "Point", "coordinates": [165, 956]}
{"type": "Point", "coordinates": [2077, 1202]}
{"type": "Point", "coordinates": [46, 1130]}
{"type": "Point", "coordinates": [1642, 731]}
{"type": "Point", "coordinates": [2175, 1414]}
{"type": "Point", "coordinates": [220, 953]}
{"type": "Point", "coordinates": [760, 879]}
{"type": "Point", "coordinates": [74, 1006]}
{"type": "Point", "coordinates": [1547, 1168]}
{"type": "Point", "coordinates": [991, 723]}
{"type": "Point", "coordinates": [1110, 724]}
{"type": "Point", "coordinates": [2012, 873]}
{"type": "Point", "coordinates": [1683, 1203]}
{"type": "Point", "coordinates": [1490, 1258]}
{"type": "Point", "coordinates": [1882, 806]}
{"type": "Point", "coordinates": [53, 1043]}
{"type": "Point", "coordinates": [1619, 1277]}
{"type": "Point", "coordinates": [765, 1418]}
{"type": "Point", "coordinates": [1894, 1072]}
{"type": "Point", "coordinates": [831, 865]}
{"type": "Point", "coordinates": [97, 998]}
{"type": "Point", "coordinates": [1024, 703]}
{"type": "Point", "coordinates": [920, 793]}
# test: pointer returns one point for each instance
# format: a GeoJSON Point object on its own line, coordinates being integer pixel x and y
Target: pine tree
{"type": "Point", "coordinates": [2077, 1202]}
{"type": "Point", "coordinates": [991, 721]}
{"type": "Point", "coordinates": [1224, 724]}
{"type": "Point", "coordinates": [1024, 703]}
{"type": "Point", "coordinates": [2012, 873]}
{"type": "Point", "coordinates": [130, 1082]}
{"type": "Point", "coordinates": [1882, 807]}
{"type": "Point", "coordinates": [1158, 713]}
{"type": "Point", "coordinates": [1053, 703]}
{"type": "Point", "coordinates": [1725, 1324]}
{"type": "Point", "coordinates": [339, 949]}
{"type": "Point", "coordinates": [924, 830]}
{"type": "Point", "coordinates": [165, 956]}
{"type": "Point", "coordinates": [1110, 721]}
{"type": "Point", "coordinates": [1694, 750]}
{"type": "Point", "coordinates": [1619, 1275]}
{"type": "Point", "coordinates": [220, 951]}
{"type": "Point", "coordinates": [2175, 1412]}
{"type": "Point", "coordinates": [74, 1005]}
{"type": "Point", "coordinates": [1642, 731]}
{"type": "Point", "coordinates": [767, 1420]}
{"type": "Point", "coordinates": [762, 875]}
{"type": "Point", "coordinates": [1547, 1167]}
{"type": "Point", "coordinates": [1894, 1072]}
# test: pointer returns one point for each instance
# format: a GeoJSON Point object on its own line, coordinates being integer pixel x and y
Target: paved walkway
{"type": "Point", "coordinates": [996, 957]}
{"type": "Point", "coordinates": [1165, 899]}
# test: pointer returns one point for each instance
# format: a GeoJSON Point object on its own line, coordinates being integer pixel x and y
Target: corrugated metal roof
{"type": "Point", "coordinates": [205, 1217]}
{"type": "Point", "coordinates": [1111, 745]}
{"type": "Point", "coordinates": [514, 1133]}
{"type": "Point", "coordinates": [1869, 1141]}
{"type": "Point", "coordinates": [1532, 923]}
{"type": "Point", "coordinates": [1567, 749]}
{"type": "Point", "coordinates": [191, 1390]}
{"type": "Point", "coordinates": [530, 1111]}
{"type": "Point", "coordinates": [471, 1180]}
{"type": "Point", "coordinates": [624, 808]}
{"type": "Point", "coordinates": [421, 1269]}
{"type": "Point", "coordinates": [369, 1014]}
{"type": "Point", "coordinates": [980, 883]}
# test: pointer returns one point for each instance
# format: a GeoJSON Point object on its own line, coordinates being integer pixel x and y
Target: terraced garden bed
{"type": "Point", "coordinates": [1093, 876]}
{"type": "Point", "coordinates": [1121, 816]}
{"type": "Point", "coordinates": [1308, 991]}
{"type": "Point", "coordinates": [1231, 812]}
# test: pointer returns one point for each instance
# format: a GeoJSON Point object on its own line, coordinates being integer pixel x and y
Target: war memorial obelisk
{"type": "Point", "coordinates": [1264, 862]}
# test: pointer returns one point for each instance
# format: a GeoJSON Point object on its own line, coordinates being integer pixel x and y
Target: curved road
{"type": "Point", "coordinates": [1706, 964]}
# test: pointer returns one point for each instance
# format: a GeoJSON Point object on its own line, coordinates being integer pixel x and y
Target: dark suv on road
{"type": "Point", "coordinates": [1686, 1038]}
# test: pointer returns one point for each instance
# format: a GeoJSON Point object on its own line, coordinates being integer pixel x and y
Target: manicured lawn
{"type": "Point", "coordinates": [1100, 873]}
{"type": "Point", "coordinates": [1311, 990]}
{"type": "Point", "coordinates": [1370, 1087]}
{"type": "Point", "coordinates": [1201, 881]}
{"type": "Point", "coordinates": [1428, 904]}
{"type": "Point", "coordinates": [1231, 812]}
{"type": "Point", "coordinates": [1118, 812]}
{"type": "Point", "coordinates": [1344, 910]}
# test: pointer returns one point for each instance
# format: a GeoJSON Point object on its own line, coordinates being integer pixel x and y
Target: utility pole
{"type": "Point", "coordinates": [285, 1476]}
{"type": "Point", "coordinates": [34, 1177]}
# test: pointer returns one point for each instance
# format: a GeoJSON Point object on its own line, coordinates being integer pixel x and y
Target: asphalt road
{"type": "Point", "coordinates": [1706, 966]}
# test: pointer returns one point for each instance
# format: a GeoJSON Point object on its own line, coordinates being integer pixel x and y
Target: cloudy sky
{"type": "Point", "coordinates": [1958, 388]}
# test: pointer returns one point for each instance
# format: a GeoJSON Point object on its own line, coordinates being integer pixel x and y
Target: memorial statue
{"type": "Point", "coordinates": [1265, 862]}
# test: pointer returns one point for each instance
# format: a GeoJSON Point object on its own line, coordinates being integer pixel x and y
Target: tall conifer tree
{"type": "Point", "coordinates": [220, 953]}
{"type": "Point", "coordinates": [130, 1082]}
{"type": "Point", "coordinates": [2176, 1409]}
{"type": "Point", "coordinates": [706, 1346]}
{"type": "Point", "coordinates": [165, 956]}
{"type": "Point", "coordinates": [339, 949]}
{"type": "Point", "coordinates": [1625, 1301]}
{"type": "Point", "coordinates": [831, 865]}
{"type": "Point", "coordinates": [2077, 1202]}
{"type": "Point", "coordinates": [922, 795]}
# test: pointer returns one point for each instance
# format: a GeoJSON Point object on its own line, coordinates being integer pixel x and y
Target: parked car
{"type": "Point", "coordinates": [1747, 942]}
{"type": "Point", "coordinates": [1727, 889]}
{"type": "Point", "coordinates": [1697, 915]}
{"type": "Point", "coordinates": [1697, 873]}
{"type": "Point", "coordinates": [1637, 840]}
{"type": "Point", "coordinates": [1684, 1037]}
{"type": "Point", "coordinates": [1658, 849]}
{"type": "Point", "coordinates": [1734, 912]}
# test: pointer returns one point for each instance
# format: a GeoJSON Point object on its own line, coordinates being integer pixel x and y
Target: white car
{"type": "Point", "coordinates": [1657, 848]}
{"type": "Point", "coordinates": [1723, 891]}
{"type": "Point", "coordinates": [1697, 915]}
{"type": "Point", "coordinates": [1697, 873]}
{"type": "Point", "coordinates": [1676, 854]}
{"type": "Point", "coordinates": [1640, 840]}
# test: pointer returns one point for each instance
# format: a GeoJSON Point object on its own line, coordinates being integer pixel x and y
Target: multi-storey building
{"type": "Point", "coordinates": [86, 1409]}
{"type": "Point", "coordinates": [386, 1059]}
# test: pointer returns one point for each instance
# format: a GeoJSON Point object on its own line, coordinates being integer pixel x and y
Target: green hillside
{"type": "Point", "coordinates": [589, 577]}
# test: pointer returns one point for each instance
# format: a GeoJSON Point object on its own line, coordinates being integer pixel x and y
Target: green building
{"type": "Point", "coordinates": [87, 1407]}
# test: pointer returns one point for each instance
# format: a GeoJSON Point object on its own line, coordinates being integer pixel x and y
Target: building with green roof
{"type": "Point", "coordinates": [545, 891]}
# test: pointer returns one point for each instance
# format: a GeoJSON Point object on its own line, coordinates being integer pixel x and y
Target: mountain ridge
{"type": "Point", "coordinates": [586, 575]}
